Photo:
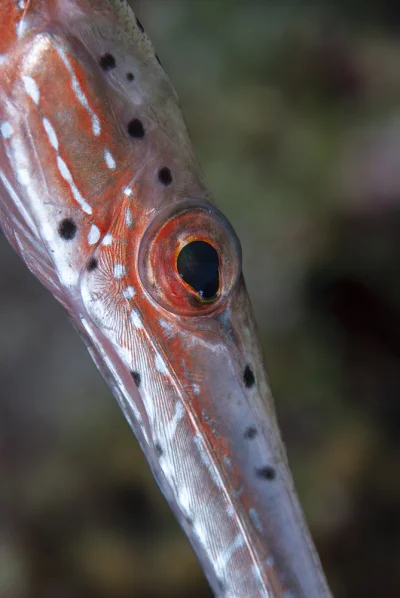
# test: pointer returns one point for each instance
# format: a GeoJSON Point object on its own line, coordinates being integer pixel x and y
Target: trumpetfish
{"type": "Point", "coordinates": [102, 196]}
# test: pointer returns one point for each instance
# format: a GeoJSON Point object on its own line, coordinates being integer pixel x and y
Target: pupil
{"type": "Point", "coordinates": [197, 265]}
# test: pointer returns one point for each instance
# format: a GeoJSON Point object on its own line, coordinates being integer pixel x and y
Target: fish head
{"type": "Point", "coordinates": [102, 196]}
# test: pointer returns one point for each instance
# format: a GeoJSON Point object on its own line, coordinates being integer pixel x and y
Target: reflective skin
{"type": "Point", "coordinates": [102, 197]}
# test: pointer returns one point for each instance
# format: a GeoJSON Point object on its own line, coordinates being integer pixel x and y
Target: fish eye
{"type": "Point", "coordinates": [189, 258]}
{"type": "Point", "coordinates": [198, 266]}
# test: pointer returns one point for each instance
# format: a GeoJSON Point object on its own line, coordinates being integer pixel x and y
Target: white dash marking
{"type": "Point", "coordinates": [196, 389]}
{"type": "Point", "coordinates": [109, 160]}
{"type": "Point", "coordinates": [128, 217]}
{"type": "Point", "coordinates": [93, 235]}
{"type": "Point", "coordinates": [168, 470]}
{"type": "Point", "coordinates": [167, 327]}
{"type": "Point", "coordinates": [82, 99]}
{"type": "Point", "coordinates": [230, 511]}
{"type": "Point", "coordinates": [128, 191]}
{"type": "Point", "coordinates": [199, 442]}
{"type": "Point", "coordinates": [170, 429]}
{"type": "Point", "coordinates": [51, 134]}
{"type": "Point", "coordinates": [119, 271]}
{"type": "Point", "coordinates": [65, 173]}
{"type": "Point", "coordinates": [31, 88]}
{"type": "Point", "coordinates": [136, 319]}
{"type": "Point", "coordinates": [107, 239]}
{"type": "Point", "coordinates": [184, 500]}
{"type": "Point", "coordinates": [129, 292]}
{"type": "Point", "coordinates": [201, 534]}
{"type": "Point", "coordinates": [270, 562]}
{"type": "Point", "coordinates": [20, 27]}
{"type": "Point", "coordinates": [160, 364]}
{"type": "Point", "coordinates": [23, 176]}
{"type": "Point", "coordinates": [258, 575]}
{"type": "Point", "coordinates": [6, 129]}
{"type": "Point", "coordinates": [228, 553]}
{"type": "Point", "coordinates": [255, 519]}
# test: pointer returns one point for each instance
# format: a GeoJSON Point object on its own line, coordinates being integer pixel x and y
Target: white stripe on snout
{"type": "Point", "coordinates": [31, 88]}
{"type": "Point", "coordinates": [65, 173]}
{"type": "Point", "coordinates": [51, 134]}
{"type": "Point", "coordinates": [82, 99]}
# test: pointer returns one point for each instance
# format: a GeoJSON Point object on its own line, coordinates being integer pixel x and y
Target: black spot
{"type": "Point", "coordinates": [267, 472]}
{"type": "Point", "coordinates": [135, 128]}
{"type": "Point", "coordinates": [159, 61]}
{"type": "Point", "coordinates": [248, 377]}
{"type": "Point", "coordinates": [165, 176]}
{"type": "Point", "coordinates": [92, 264]}
{"type": "Point", "coordinates": [189, 521]}
{"type": "Point", "coordinates": [158, 449]}
{"type": "Point", "coordinates": [137, 378]}
{"type": "Point", "coordinates": [251, 433]}
{"type": "Point", "coordinates": [107, 62]}
{"type": "Point", "coordinates": [130, 76]}
{"type": "Point", "coordinates": [139, 24]}
{"type": "Point", "coordinates": [67, 229]}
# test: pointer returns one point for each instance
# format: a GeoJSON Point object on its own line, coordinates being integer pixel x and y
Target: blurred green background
{"type": "Point", "coordinates": [294, 110]}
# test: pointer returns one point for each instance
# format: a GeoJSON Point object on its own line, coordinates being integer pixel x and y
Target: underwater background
{"type": "Point", "coordinates": [294, 111]}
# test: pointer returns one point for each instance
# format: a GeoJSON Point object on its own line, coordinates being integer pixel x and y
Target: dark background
{"type": "Point", "coordinates": [294, 112]}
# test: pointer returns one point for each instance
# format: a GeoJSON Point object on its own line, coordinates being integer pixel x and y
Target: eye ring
{"type": "Point", "coordinates": [181, 225]}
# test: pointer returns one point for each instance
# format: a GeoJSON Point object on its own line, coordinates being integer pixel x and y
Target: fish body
{"type": "Point", "coordinates": [102, 197]}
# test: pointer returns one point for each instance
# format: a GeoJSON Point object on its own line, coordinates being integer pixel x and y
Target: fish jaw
{"type": "Point", "coordinates": [82, 204]}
